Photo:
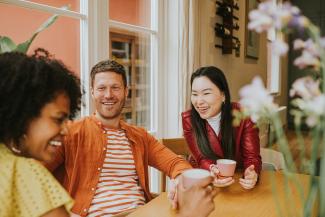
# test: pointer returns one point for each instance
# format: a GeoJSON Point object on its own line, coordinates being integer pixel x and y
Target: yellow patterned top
{"type": "Point", "coordinates": [27, 188]}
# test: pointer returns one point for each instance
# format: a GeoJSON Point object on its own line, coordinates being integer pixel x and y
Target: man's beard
{"type": "Point", "coordinates": [118, 111]}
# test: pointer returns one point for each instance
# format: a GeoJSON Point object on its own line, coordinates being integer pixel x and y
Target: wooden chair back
{"type": "Point", "coordinates": [178, 146]}
{"type": "Point", "coordinates": [272, 160]}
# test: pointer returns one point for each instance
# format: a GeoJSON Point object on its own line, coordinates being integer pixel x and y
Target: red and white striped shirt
{"type": "Point", "coordinates": [118, 188]}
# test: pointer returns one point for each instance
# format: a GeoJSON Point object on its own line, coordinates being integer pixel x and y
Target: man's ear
{"type": "Point", "coordinates": [92, 91]}
{"type": "Point", "coordinates": [126, 92]}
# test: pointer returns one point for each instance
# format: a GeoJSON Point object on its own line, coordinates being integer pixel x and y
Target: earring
{"type": "Point", "coordinates": [15, 150]}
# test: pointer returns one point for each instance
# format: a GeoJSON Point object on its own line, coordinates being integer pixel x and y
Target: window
{"type": "Point", "coordinates": [131, 32]}
{"type": "Point", "coordinates": [273, 62]}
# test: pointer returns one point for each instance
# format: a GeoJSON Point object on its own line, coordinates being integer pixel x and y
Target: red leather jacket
{"type": "Point", "coordinates": [247, 143]}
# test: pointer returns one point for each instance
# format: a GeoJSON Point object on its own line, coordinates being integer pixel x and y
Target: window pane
{"type": "Point", "coordinates": [132, 50]}
{"type": "Point", "coordinates": [74, 4]}
{"type": "Point", "coordinates": [135, 12]}
{"type": "Point", "coordinates": [61, 39]}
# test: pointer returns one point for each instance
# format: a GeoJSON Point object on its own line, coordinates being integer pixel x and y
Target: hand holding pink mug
{"type": "Point", "coordinates": [226, 167]}
{"type": "Point", "coordinates": [223, 172]}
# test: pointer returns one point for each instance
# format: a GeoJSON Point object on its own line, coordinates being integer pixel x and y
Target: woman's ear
{"type": "Point", "coordinates": [223, 97]}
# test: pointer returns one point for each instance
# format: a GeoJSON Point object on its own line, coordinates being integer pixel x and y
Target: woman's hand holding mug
{"type": "Point", "coordinates": [218, 180]}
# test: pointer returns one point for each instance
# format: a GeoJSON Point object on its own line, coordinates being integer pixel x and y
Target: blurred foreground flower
{"type": "Point", "coordinates": [256, 100]}
{"type": "Point", "coordinates": [308, 102]}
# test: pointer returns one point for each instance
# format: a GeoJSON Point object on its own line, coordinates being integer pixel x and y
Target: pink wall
{"type": "Point", "coordinates": [61, 39]}
{"type": "Point", "coordinates": [136, 12]}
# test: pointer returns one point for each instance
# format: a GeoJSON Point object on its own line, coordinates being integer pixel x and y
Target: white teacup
{"type": "Point", "coordinates": [192, 176]}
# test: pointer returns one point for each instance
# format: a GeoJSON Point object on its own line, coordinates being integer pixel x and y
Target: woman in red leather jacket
{"type": "Point", "coordinates": [210, 134]}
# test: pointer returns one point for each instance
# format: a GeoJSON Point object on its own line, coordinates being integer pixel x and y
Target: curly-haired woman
{"type": "Point", "coordinates": [37, 96]}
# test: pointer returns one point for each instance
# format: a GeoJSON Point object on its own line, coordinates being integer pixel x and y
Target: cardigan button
{"type": "Point", "coordinates": [85, 210]}
{"type": "Point", "coordinates": [98, 168]}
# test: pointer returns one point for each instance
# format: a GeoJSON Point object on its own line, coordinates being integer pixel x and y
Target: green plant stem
{"type": "Point", "coordinates": [311, 198]}
{"type": "Point", "coordinates": [276, 196]}
{"type": "Point", "coordinates": [314, 33]}
{"type": "Point", "coordinates": [316, 134]}
{"type": "Point", "coordinates": [300, 140]}
{"type": "Point", "coordinates": [284, 148]}
{"type": "Point", "coordinates": [322, 172]}
{"type": "Point", "coordinates": [313, 184]}
{"type": "Point", "coordinates": [283, 143]}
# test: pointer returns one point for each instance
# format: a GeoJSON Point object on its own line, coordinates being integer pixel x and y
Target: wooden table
{"type": "Point", "coordinates": [234, 201]}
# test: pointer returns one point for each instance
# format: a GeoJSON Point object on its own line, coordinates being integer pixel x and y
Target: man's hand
{"type": "Point", "coordinates": [196, 201]}
{"type": "Point", "coordinates": [250, 178]}
{"type": "Point", "coordinates": [172, 193]}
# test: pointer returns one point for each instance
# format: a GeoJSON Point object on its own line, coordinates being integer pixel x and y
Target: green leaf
{"type": "Point", "coordinates": [23, 47]}
{"type": "Point", "coordinates": [6, 44]}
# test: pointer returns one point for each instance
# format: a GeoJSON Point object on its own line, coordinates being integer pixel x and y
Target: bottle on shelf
{"type": "Point", "coordinates": [226, 11]}
{"type": "Point", "coordinates": [234, 5]}
{"type": "Point", "coordinates": [233, 26]}
{"type": "Point", "coordinates": [223, 32]}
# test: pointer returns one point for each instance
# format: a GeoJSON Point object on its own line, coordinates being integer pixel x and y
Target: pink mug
{"type": "Point", "coordinates": [192, 176]}
{"type": "Point", "coordinates": [226, 167]}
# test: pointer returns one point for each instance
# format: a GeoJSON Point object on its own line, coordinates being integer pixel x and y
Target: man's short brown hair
{"type": "Point", "coordinates": [108, 66]}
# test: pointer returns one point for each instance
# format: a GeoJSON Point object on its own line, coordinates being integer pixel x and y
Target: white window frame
{"type": "Point", "coordinates": [273, 61]}
{"type": "Point", "coordinates": [273, 68]}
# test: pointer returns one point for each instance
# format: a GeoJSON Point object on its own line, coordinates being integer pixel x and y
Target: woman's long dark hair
{"type": "Point", "coordinates": [217, 77]}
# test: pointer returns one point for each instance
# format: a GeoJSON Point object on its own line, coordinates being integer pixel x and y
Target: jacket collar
{"type": "Point", "coordinates": [123, 125]}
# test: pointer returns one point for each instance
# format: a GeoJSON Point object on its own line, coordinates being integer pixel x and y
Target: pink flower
{"type": "Point", "coordinates": [298, 44]}
{"type": "Point", "coordinates": [308, 45]}
{"type": "Point", "coordinates": [256, 100]}
{"type": "Point", "coordinates": [313, 108]}
{"type": "Point", "coordinates": [306, 88]}
{"type": "Point", "coordinates": [269, 15]}
{"type": "Point", "coordinates": [279, 47]}
{"type": "Point", "coordinates": [307, 59]}
{"type": "Point", "coordinates": [259, 21]}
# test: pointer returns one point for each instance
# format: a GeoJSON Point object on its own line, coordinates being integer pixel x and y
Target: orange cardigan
{"type": "Point", "coordinates": [77, 164]}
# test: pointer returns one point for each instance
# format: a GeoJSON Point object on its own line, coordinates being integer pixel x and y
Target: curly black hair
{"type": "Point", "coordinates": [27, 84]}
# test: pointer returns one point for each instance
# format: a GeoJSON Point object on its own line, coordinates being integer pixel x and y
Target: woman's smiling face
{"type": "Point", "coordinates": [45, 133]}
{"type": "Point", "coordinates": [206, 97]}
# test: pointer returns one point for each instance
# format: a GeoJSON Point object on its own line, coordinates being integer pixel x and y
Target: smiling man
{"type": "Point", "coordinates": [104, 161]}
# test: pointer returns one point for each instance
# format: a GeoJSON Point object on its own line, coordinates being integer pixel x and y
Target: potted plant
{"type": "Point", "coordinates": [7, 44]}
